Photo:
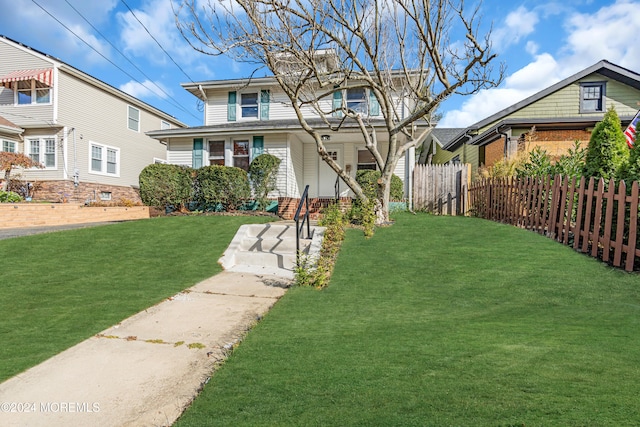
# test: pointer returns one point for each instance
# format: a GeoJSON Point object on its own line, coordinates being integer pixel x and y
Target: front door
{"type": "Point", "coordinates": [327, 176]}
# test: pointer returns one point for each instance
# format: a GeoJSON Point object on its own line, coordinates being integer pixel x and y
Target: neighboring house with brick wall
{"type": "Point", "coordinates": [561, 114]}
{"type": "Point", "coordinates": [246, 117]}
{"type": "Point", "coordinates": [89, 136]}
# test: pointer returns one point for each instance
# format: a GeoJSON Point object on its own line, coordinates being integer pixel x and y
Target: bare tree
{"type": "Point", "coordinates": [398, 50]}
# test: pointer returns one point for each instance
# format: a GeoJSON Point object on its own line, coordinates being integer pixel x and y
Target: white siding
{"type": "Point", "coordinates": [277, 146]}
{"type": "Point", "coordinates": [311, 169]}
{"type": "Point", "coordinates": [296, 171]}
{"type": "Point", "coordinates": [14, 58]}
{"type": "Point", "coordinates": [180, 152]}
{"type": "Point", "coordinates": [101, 118]}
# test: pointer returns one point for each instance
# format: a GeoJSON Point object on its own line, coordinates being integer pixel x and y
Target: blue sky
{"type": "Point", "coordinates": [541, 42]}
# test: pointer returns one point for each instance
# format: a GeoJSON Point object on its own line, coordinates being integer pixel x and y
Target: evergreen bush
{"type": "Point", "coordinates": [221, 187]}
{"type": "Point", "coordinates": [607, 152]}
{"type": "Point", "coordinates": [368, 180]}
{"type": "Point", "coordinates": [263, 172]}
{"type": "Point", "coordinates": [163, 185]}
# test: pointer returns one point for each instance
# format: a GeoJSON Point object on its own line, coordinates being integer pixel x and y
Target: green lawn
{"type": "Point", "coordinates": [60, 288]}
{"type": "Point", "coordinates": [441, 321]}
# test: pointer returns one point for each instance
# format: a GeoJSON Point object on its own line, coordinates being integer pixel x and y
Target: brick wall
{"type": "Point", "coordinates": [19, 215]}
{"type": "Point", "coordinates": [493, 152]}
{"type": "Point", "coordinates": [558, 142]}
{"type": "Point", "coordinates": [287, 206]}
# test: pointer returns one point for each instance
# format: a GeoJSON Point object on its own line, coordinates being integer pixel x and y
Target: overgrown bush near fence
{"type": "Point", "coordinates": [594, 217]}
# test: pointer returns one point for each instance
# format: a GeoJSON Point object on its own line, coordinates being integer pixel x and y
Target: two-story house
{"type": "Point", "coordinates": [561, 114]}
{"type": "Point", "coordinates": [89, 136]}
{"type": "Point", "coordinates": [246, 117]}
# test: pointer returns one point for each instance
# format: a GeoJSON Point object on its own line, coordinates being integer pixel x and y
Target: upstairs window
{"type": "Point", "coordinates": [249, 105]}
{"type": "Point", "coordinates": [164, 125]}
{"type": "Point", "coordinates": [133, 118]}
{"type": "Point", "coordinates": [357, 100]}
{"type": "Point", "coordinates": [9, 146]}
{"type": "Point", "coordinates": [216, 153]}
{"type": "Point", "coordinates": [32, 92]}
{"type": "Point", "coordinates": [592, 97]}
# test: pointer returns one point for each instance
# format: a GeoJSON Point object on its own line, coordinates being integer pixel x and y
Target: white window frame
{"type": "Point", "coordinates": [256, 105]}
{"type": "Point", "coordinates": [235, 156]}
{"type": "Point", "coordinates": [8, 143]}
{"type": "Point", "coordinates": [104, 159]}
{"type": "Point", "coordinates": [363, 165]}
{"type": "Point", "coordinates": [138, 120]}
{"type": "Point", "coordinates": [33, 93]}
{"type": "Point", "coordinates": [364, 101]}
{"type": "Point", "coordinates": [224, 151]}
{"type": "Point", "coordinates": [44, 144]}
{"type": "Point", "coordinates": [164, 125]}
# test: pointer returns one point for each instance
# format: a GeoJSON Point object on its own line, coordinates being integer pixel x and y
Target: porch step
{"type": "Point", "coordinates": [269, 249]}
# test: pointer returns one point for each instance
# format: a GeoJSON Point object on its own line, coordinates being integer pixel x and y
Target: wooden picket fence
{"type": "Point", "coordinates": [594, 218]}
{"type": "Point", "coordinates": [441, 189]}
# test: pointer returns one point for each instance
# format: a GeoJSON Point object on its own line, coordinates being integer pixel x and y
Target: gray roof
{"type": "Point", "coordinates": [603, 67]}
{"type": "Point", "coordinates": [257, 125]}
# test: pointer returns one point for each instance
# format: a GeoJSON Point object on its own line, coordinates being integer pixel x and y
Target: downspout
{"type": "Point", "coordinates": [506, 141]}
{"type": "Point", "coordinates": [204, 101]}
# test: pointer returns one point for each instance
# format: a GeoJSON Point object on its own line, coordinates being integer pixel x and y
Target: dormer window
{"type": "Point", "coordinates": [592, 97]}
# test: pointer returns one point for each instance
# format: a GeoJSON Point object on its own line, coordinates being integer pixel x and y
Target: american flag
{"type": "Point", "coordinates": [630, 132]}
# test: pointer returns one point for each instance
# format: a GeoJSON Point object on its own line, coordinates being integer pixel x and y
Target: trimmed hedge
{"type": "Point", "coordinates": [221, 187]}
{"type": "Point", "coordinates": [368, 180]}
{"type": "Point", "coordinates": [163, 185]}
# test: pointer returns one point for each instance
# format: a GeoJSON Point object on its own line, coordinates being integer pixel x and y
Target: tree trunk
{"type": "Point", "coordinates": [5, 184]}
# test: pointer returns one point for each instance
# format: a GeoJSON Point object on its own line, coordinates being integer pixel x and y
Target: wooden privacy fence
{"type": "Point", "coordinates": [441, 189]}
{"type": "Point", "coordinates": [594, 218]}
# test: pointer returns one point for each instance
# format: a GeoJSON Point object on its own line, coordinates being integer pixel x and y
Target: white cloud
{"type": "Point", "coordinates": [158, 18]}
{"type": "Point", "coordinates": [518, 24]}
{"type": "Point", "coordinates": [45, 34]}
{"type": "Point", "coordinates": [609, 33]}
{"type": "Point", "coordinates": [146, 89]}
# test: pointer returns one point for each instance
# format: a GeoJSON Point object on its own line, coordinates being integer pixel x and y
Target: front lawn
{"type": "Point", "coordinates": [60, 288]}
{"type": "Point", "coordinates": [441, 321]}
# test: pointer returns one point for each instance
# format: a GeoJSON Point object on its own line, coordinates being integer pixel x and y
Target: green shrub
{"type": "Point", "coordinates": [318, 275]}
{"type": "Point", "coordinates": [572, 163]}
{"type": "Point", "coordinates": [221, 187]}
{"type": "Point", "coordinates": [363, 214]}
{"type": "Point", "coordinates": [607, 152]}
{"type": "Point", "coordinates": [9, 197]}
{"type": "Point", "coordinates": [368, 180]}
{"type": "Point", "coordinates": [163, 185]}
{"type": "Point", "coordinates": [537, 165]}
{"type": "Point", "coordinates": [263, 172]}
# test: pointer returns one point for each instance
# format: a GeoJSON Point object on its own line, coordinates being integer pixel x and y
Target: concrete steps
{"type": "Point", "coordinates": [269, 249]}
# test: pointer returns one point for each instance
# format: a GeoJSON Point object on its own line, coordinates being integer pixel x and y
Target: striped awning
{"type": "Point", "coordinates": [43, 76]}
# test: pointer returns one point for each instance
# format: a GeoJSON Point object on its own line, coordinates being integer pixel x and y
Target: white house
{"type": "Point", "coordinates": [246, 117]}
{"type": "Point", "coordinates": [90, 137]}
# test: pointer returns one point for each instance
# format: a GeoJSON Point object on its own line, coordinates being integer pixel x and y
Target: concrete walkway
{"type": "Point", "coordinates": [147, 369]}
